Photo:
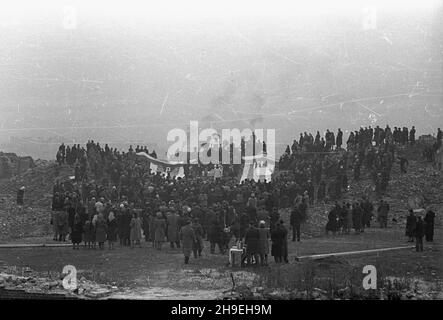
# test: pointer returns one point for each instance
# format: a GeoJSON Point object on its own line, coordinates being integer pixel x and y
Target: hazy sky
{"type": "Point", "coordinates": [122, 71]}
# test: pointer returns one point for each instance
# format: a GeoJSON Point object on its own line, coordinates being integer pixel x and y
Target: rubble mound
{"type": "Point", "coordinates": [11, 164]}
{"type": "Point", "coordinates": [31, 219]}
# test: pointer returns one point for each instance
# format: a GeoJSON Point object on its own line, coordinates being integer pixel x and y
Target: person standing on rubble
{"type": "Point", "coordinates": [411, 222]}
{"type": "Point", "coordinates": [383, 211]}
{"type": "Point", "coordinates": [20, 196]}
{"type": "Point", "coordinates": [403, 164]}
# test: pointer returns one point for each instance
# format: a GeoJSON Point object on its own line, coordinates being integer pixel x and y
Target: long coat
{"type": "Point", "coordinates": [159, 225]}
{"type": "Point", "coordinates": [198, 230]}
{"type": "Point", "coordinates": [173, 227]}
{"type": "Point", "coordinates": [62, 225]}
{"type": "Point", "coordinates": [88, 232]}
{"type": "Point", "coordinates": [76, 233]}
{"type": "Point", "coordinates": [278, 241]}
{"type": "Point", "coordinates": [54, 221]}
{"type": "Point", "coordinates": [100, 230]}
{"type": "Point", "coordinates": [252, 240]}
{"type": "Point", "coordinates": [263, 242]}
{"type": "Point", "coordinates": [187, 237]}
{"type": "Point", "coordinates": [111, 232]}
{"type": "Point", "coordinates": [136, 229]}
{"type": "Point", "coordinates": [410, 225]}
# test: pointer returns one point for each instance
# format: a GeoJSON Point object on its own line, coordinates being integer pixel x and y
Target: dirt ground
{"type": "Point", "coordinates": [162, 274]}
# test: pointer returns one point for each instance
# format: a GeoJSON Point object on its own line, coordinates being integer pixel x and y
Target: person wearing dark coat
{"type": "Point", "coordinates": [145, 225]}
{"type": "Point", "coordinates": [76, 232]}
{"type": "Point", "coordinates": [215, 236]}
{"type": "Point", "coordinates": [367, 209]}
{"type": "Point", "coordinates": [357, 216]}
{"type": "Point", "coordinates": [295, 221]}
{"type": "Point", "coordinates": [252, 238]}
{"type": "Point", "coordinates": [111, 230]}
{"type": "Point", "coordinates": [100, 230]}
{"type": "Point", "coordinates": [197, 247]}
{"type": "Point", "coordinates": [127, 217]}
{"type": "Point", "coordinates": [285, 242]}
{"type": "Point", "coordinates": [332, 224]}
{"type": "Point", "coordinates": [429, 225]}
{"type": "Point", "coordinates": [274, 218]}
{"type": "Point", "coordinates": [410, 225]}
{"type": "Point", "coordinates": [419, 233]}
{"type": "Point", "coordinates": [278, 239]}
{"type": "Point", "coordinates": [244, 222]}
{"type": "Point", "coordinates": [71, 218]}
{"type": "Point", "coordinates": [187, 237]}
{"type": "Point", "coordinates": [20, 196]}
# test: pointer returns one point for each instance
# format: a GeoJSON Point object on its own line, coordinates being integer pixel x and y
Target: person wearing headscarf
{"type": "Point", "coordinates": [187, 237]}
{"type": "Point", "coordinates": [111, 231]}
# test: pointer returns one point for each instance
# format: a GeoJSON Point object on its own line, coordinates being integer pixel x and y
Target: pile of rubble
{"type": "Point", "coordinates": [11, 164]}
{"type": "Point", "coordinates": [347, 293]}
{"type": "Point", "coordinates": [421, 181]}
{"type": "Point", "coordinates": [31, 283]}
{"type": "Point", "coordinates": [33, 218]}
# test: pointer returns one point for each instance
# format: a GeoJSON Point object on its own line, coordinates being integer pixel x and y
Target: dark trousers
{"type": "Point", "coordinates": [296, 232]}
{"type": "Point", "coordinates": [418, 244]}
{"type": "Point", "coordinates": [383, 221]}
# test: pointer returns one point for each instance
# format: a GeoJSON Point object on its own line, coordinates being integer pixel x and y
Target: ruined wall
{"type": "Point", "coordinates": [11, 164]}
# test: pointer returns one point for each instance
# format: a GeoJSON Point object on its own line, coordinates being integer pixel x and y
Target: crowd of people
{"type": "Point", "coordinates": [323, 166]}
{"type": "Point", "coordinates": [418, 227]}
{"type": "Point", "coordinates": [115, 197]}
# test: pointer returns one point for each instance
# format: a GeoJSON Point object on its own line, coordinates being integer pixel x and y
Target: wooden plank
{"type": "Point", "coordinates": [33, 245]}
{"type": "Point", "coordinates": [348, 253]}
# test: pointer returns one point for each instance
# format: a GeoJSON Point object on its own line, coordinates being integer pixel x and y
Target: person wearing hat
{"type": "Point", "coordinates": [187, 237]}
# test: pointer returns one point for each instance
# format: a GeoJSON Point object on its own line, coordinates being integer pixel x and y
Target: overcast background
{"type": "Point", "coordinates": [127, 72]}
